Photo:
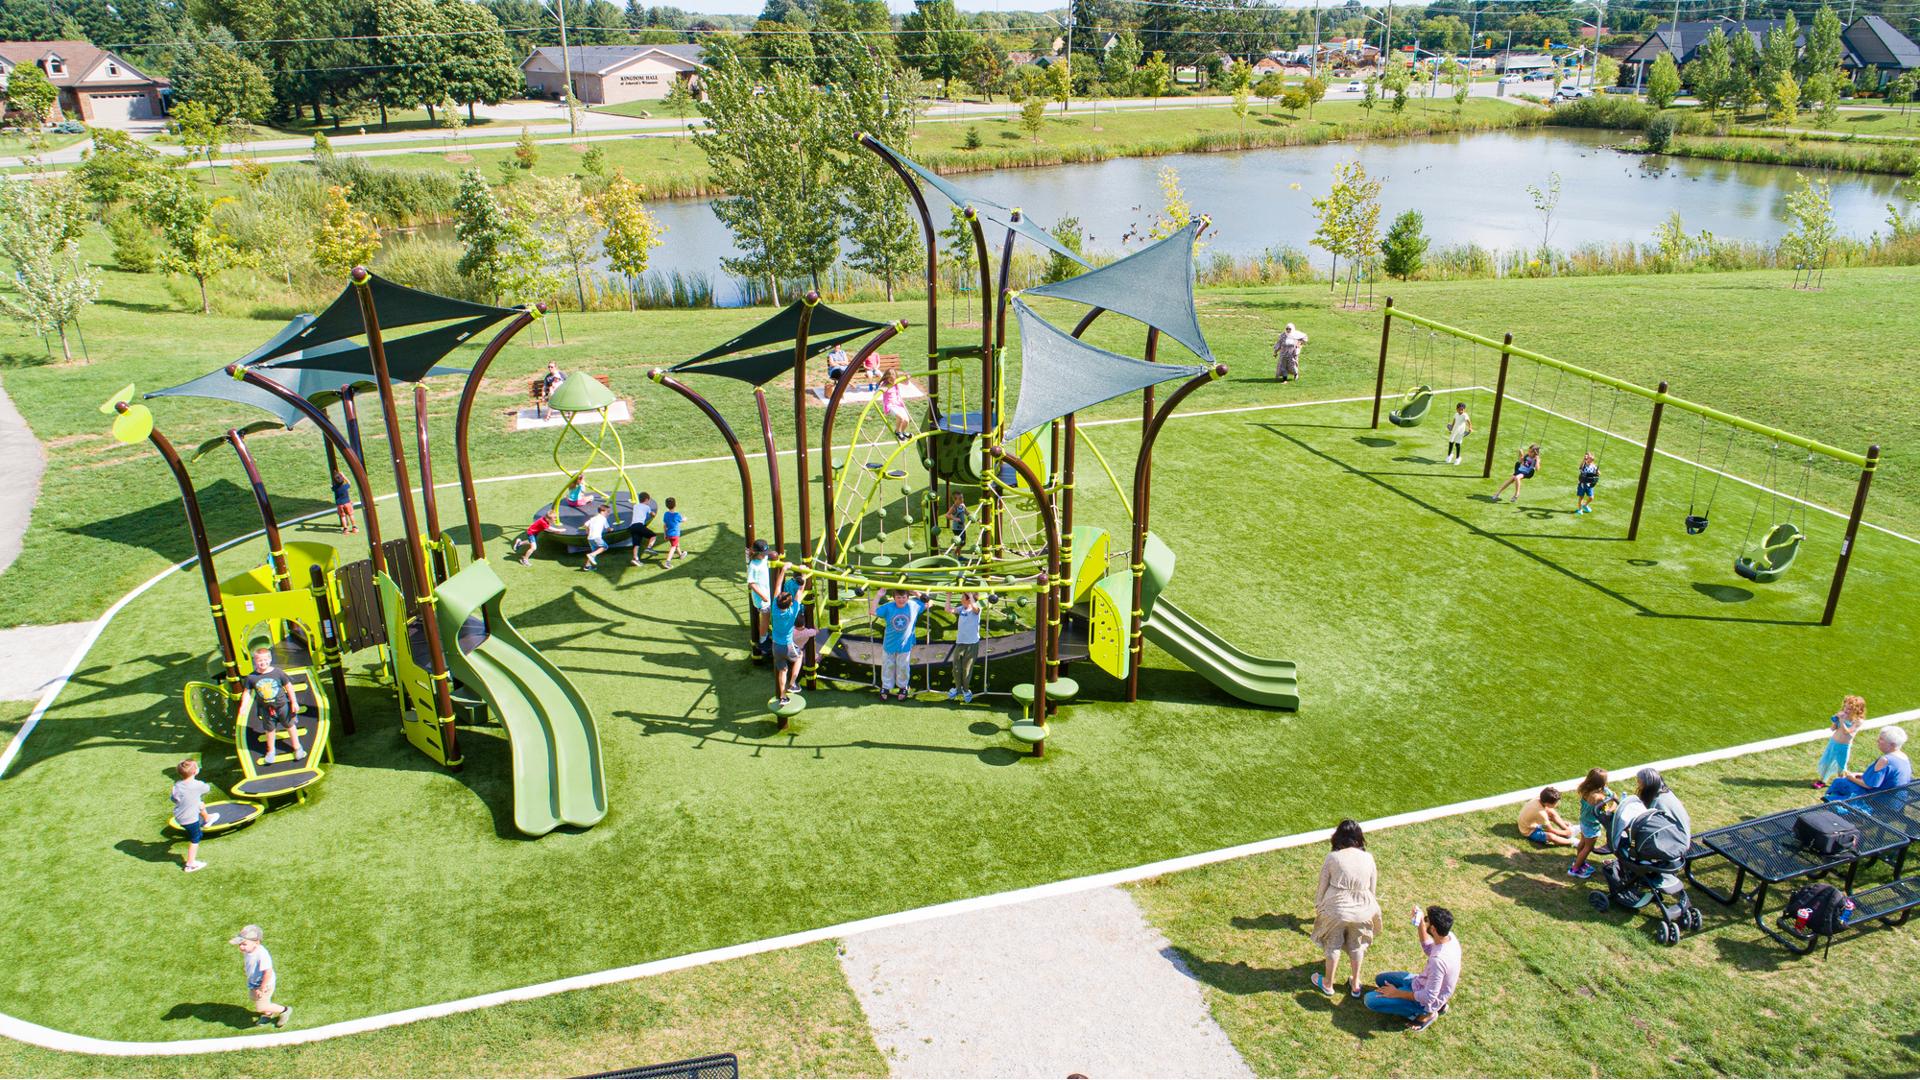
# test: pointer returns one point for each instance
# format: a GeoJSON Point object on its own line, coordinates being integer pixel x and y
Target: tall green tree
{"type": "Point", "coordinates": [1823, 51]}
{"type": "Point", "coordinates": [412, 57]}
{"type": "Point", "coordinates": [767, 142]}
{"type": "Point", "coordinates": [225, 82]}
{"type": "Point", "coordinates": [31, 95]}
{"type": "Point", "coordinates": [1663, 82]}
{"type": "Point", "coordinates": [877, 99]}
{"type": "Point", "coordinates": [1121, 61]}
{"type": "Point", "coordinates": [481, 225]}
{"type": "Point", "coordinates": [481, 66]}
{"type": "Point", "coordinates": [1710, 72]}
{"type": "Point", "coordinates": [1404, 249]}
{"type": "Point", "coordinates": [199, 131]}
{"type": "Point", "coordinates": [40, 229]}
{"type": "Point", "coordinates": [321, 56]}
{"type": "Point", "coordinates": [632, 232]}
{"type": "Point", "coordinates": [343, 238]}
{"type": "Point", "coordinates": [937, 40]}
{"type": "Point", "coordinates": [1155, 78]}
{"type": "Point", "coordinates": [1779, 55]}
{"type": "Point", "coordinates": [1743, 62]}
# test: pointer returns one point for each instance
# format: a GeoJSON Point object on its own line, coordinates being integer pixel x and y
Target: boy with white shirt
{"type": "Point", "coordinates": [966, 645]}
{"type": "Point", "coordinates": [597, 536]}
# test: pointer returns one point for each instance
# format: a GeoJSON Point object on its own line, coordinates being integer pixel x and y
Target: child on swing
{"type": "Point", "coordinates": [1459, 426]}
{"type": "Point", "coordinates": [1583, 488]}
{"type": "Point", "coordinates": [1523, 471]}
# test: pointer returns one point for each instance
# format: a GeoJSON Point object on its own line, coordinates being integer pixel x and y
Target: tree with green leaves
{"type": "Point", "coordinates": [1823, 51]}
{"type": "Point", "coordinates": [116, 168]}
{"type": "Point", "coordinates": [1397, 80]}
{"type": "Point", "coordinates": [1546, 200]}
{"type": "Point", "coordinates": [412, 55]}
{"type": "Point", "coordinates": [224, 82]}
{"type": "Point", "coordinates": [1404, 249]}
{"type": "Point", "coordinates": [880, 230]}
{"type": "Point", "coordinates": [1779, 54]}
{"type": "Point", "coordinates": [1347, 218]}
{"type": "Point", "coordinates": [1121, 61]}
{"type": "Point", "coordinates": [937, 40]}
{"type": "Point", "coordinates": [632, 232]}
{"type": "Point", "coordinates": [1710, 72]}
{"type": "Point", "coordinates": [958, 251]}
{"type": "Point", "coordinates": [679, 100]}
{"type": "Point", "coordinates": [1822, 89]}
{"type": "Point", "coordinates": [558, 206]}
{"type": "Point", "coordinates": [199, 131]}
{"type": "Point", "coordinates": [1176, 212]}
{"type": "Point", "coordinates": [1783, 103]}
{"type": "Point", "coordinates": [1271, 86]}
{"type": "Point", "coordinates": [482, 226]}
{"type": "Point", "coordinates": [1059, 82]}
{"type": "Point", "coordinates": [526, 152]}
{"type": "Point", "coordinates": [769, 144]}
{"type": "Point", "coordinates": [1155, 78]}
{"type": "Point", "coordinates": [1743, 72]}
{"type": "Point", "coordinates": [1461, 80]}
{"type": "Point", "coordinates": [1810, 240]}
{"type": "Point", "coordinates": [192, 242]}
{"type": "Point", "coordinates": [1059, 267]}
{"type": "Point", "coordinates": [31, 95]}
{"type": "Point", "coordinates": [1033, 116]}
{"type": "Point", "coordinates": [1316, 89]}
{"type": "Point", "coordinates": [40, 229]}
{"type": "Point", "coordinates": [1370, 96]}
{"type": "Point", "coordinates": [1901, 92]}
{"type": "Point", "coordinates": [1904, 221]}
{"type": "Point", "coordinates": [481, 66]}
{"type": "Point", "coordinates": [1663, 82]}
{"type": "Point", "coordinates": [343, 238]}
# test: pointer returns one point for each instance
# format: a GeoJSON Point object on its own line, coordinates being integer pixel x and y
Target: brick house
{"type": "Point", "coordinates": [96, 86]}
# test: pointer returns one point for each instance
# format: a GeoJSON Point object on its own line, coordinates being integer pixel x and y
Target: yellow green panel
{"type": "Point", "coordinates": [1107, 640]}
{"type": "Point", "coordinates": [1089, 561]}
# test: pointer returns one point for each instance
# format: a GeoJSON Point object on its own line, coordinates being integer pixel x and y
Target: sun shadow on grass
{"type": "Point", "coordinates": [153, 851]}
{"type": "Point", "coordinates": [1286, 922]}
{"type": "Point", "coordinates": [223, 1013]}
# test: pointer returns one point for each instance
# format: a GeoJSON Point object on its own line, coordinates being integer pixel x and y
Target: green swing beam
{"type": "Point", "coordinates": [1867, 463]}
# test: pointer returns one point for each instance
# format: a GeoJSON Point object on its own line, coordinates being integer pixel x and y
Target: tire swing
{"type": "Point", "coordinates": [1770, 559]}
{"type": "Point", "coordinates": [1418, 398]}
{"type": "Point", "coordinates": [1697, 523]}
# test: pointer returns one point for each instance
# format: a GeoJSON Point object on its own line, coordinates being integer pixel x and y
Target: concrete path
{"type": "Point", "coordinates": [1074, 984]}
{"type": "Point", "coordinates": [31, 657]}
{"type": "Point", "coordinates": [23, 460]}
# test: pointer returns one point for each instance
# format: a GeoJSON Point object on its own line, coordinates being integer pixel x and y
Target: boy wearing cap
{"type": "Point", "coordinates": [258, 963]}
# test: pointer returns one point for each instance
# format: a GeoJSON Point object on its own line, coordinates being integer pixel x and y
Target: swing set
{"type": "Point", "coordinates": [1762, 562]}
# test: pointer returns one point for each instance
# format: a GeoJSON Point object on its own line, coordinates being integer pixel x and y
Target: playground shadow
{"type": "Point", "coordinates": [1507, 540]}
{"type": "Point", "coordinates": [219, 1013]}
{"type": "Point", "coordinates": [763, 736]}
{"type": "Point", "coordinates": [228, 508]}
{"type": "Point", "coordinates": [1726, 594]}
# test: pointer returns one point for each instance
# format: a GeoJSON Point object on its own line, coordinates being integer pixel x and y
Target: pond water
{"type": "Point", "coordinates": [1469, 188]}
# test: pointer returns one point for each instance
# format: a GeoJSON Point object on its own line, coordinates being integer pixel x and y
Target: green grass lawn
{"type": "Point", "coordinates": [14, 144]}
{"type": "Point", "coordinates": [655, 109]}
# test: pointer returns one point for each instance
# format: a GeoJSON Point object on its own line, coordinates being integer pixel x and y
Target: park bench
{"type": "Point", "coordinates": [537, 391]}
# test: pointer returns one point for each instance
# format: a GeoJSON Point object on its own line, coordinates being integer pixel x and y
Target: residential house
{"type": "Point", "coordinates": [1874, 53]}
{"type": "Point", "coordinates": [612, 74]}
{"type": "Point", "coordinates": [1683, 40]}
{"type": "Point", "coordinates": [97, 86]}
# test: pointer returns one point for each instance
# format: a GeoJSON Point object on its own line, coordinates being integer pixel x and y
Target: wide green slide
{"type": "Point", "coordinates": [557, 777]}
{"type": "Point", "coordinates": [1250, 678]}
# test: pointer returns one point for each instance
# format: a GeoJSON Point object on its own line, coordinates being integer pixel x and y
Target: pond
{"type": "Point", "coordinates": [1471, 189]}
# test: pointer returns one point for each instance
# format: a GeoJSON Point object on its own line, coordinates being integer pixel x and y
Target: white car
{"type": "Point", "coordinates": [1571, 93]}
{"type": "Point", "coordinates": [1354, 88]}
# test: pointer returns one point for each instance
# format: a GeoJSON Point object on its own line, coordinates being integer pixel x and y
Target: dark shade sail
{"type": "Point", "coordinates": [409, 359]}
{"type": "Point", "coordinates": [761, 368]}
{"type": "Point", "coordinates": [784, 325]}
{"type": "Point", "coordinates": [1153, 285]}
{"type": "Point", "coordinates": [396, 305]}
{"type": "Point", "coordinates": [315, 384]}
{"type": "Point", "coordinates": [992, 211]}
{"type": "Point", "coordinates": [1060, 374]}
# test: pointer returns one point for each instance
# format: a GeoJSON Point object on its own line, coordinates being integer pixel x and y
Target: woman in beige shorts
{"type": "Point", "coordinates": [1346, 914]}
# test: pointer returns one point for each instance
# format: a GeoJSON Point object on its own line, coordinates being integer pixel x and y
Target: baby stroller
{"type": "Point", "coordinates": [1650, 849]}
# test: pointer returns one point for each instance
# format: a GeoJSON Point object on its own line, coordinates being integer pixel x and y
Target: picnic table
{"type": "Point", "coordinates": [1768, 850]}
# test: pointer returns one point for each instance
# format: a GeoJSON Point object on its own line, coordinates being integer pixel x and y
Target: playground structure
{"type": "Point", "coordinates": [1763, 562]}
{"type": "Point", "coordinates": [580, 395]}
{"type": "Point", "coordinates": [977, 495]}
{"type": "Point", "coordinates": [437, 631]}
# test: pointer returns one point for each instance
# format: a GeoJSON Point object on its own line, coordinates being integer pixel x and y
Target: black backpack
{"type": "Point", "coordinates": [1827, 909]}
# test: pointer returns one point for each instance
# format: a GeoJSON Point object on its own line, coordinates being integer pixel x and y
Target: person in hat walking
{"type": "Point", "coordinates": [261, 977]}
{"type": "Point", "coordinates": [1286, 353]}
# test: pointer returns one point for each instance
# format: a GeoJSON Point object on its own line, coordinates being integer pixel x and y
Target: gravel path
{"type": "Point", "coordinates": [1075, 984]}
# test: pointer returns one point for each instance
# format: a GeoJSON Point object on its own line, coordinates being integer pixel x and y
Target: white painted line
{"type": "Point", "coordinates": [51, 1039]}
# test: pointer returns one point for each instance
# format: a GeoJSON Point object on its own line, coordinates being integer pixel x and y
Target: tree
{"type": "Point", "coordinates": [1271, 86]}
{"type": "Point", "coordinates": [1545, 201]}
{"type": "Point", "coordinates": [632, 231]}
{"type": "Point", "coordinates": [1824, 88]}
{"type": "Point", "coordinates": [880, 229]}
{"type": "Point", "coordinates": [1779, 53]}
{"type": "Point", "coordinates": [343, 238]}
{"type": "Point", "coordinates": [1121, 61]}
{"type": "Point", "coordinates": [1059, 267]}
{"type": "Point", "coordinates": [40, 229]}
{"type": "Point", "coordinates": [1663, 82]}
{"type": "Point", "coordinates": [1606, 70]}
{"type": "Point", "coordinates": [1348, 217]}
{"type": "Point", "coordinates": [1806, 244]}
{"type": "Point", "coordinates": [526, 152]}
{"type": "Point", "coordinates": [1316, 89]}
{"type": "Point", "coordinates": [1710, 72]}
{"type": "Point", "coordinates": [1060, 82]}
{"type": "Point", "coordinates": [1370, 96]}
{"type": "Point", "coordinates": [768, 143]}
{"type": "Point", "coordinates": [413, 56]}
{"type": "Point", "coordinates": [199, 131]}
{"type": "Point", "coordinates": [1405, 248]}
{"type": "Point", "coordinates": [481, 66]}
{"type": "Point", "coordinates": [1903, 222]}
{"type": "Point", "coordinates": [31, 94]}
{"type": "Point", "coordinates": [225, 83]}
{"type": "Point", "coordinates": [1033, 116]}
{"type": "Point", "coordinates": [1743, 71]}
{"type": "Point", "coordinates": [192, 242]}
{"type": "Point", "coordinates": [1784, 100]}
{"type": "Point", "coordinates": [1901, 91]}
{"type": "Point", "coordinates": [1673, 248]}
{"type": "Point", "coordinates": [937, 40]}
{"type": "Point", "coordinates": [1461, 81]}
{"type": "Point", "coordinates": [1240, 106]}
{"type": "Point", "coordinates": [481, 224]}
{"type": "Point", "coordinates": [1823, 51]}
{"type": "Point", "coordinates": [1156, 78]}
{"type": "Point", "coordinates": [1396, 81]}
{"type": "Point", "coordinates": [117, 167]}
{"type": "Point", "coordinates": [1176, 212]}
{"type": "Point", "coordinates": [560, 205]}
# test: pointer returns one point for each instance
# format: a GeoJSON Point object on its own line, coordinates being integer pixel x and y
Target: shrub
{"type": "Point", "coordinates": [1660, 133]}
{"type": "Point", "coordinates": [429, 264]}
{"type": "Point", "coordinates": [1405, 247]}
{"type": "Point", "coordinates": [132, 242]}
{"type": "Point", "coordinates": [973, 140]}
{"type": "Point", "coordinates": [394, 196]}
{"type": "Point", "coordinates": [1603, 111]}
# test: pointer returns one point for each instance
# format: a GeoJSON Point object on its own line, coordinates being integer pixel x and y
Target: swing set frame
{"type": "Point", "coordinates": [1867, 463]}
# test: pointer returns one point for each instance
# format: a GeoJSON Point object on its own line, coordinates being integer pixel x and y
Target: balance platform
{"type": "Point", "coordinates": [570, 525]}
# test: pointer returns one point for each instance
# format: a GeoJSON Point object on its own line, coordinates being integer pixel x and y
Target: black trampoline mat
{"type": "Point", "coordinates": [277, 783]}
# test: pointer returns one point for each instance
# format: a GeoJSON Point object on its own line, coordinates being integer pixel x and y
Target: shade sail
{"type": "Point", "coordinates": [989, 209]}
{"type": "Point", "coordinates": [761, 368]}
{"type": "Point", "coordinates": [409, 358]}
{"type": "Point", "coordinates": [396, 305]}
{"type": "Point", "coordinates": [1060, 374]}
{"type": "Point", "coordinates": [784, 325]}
{"type": "Point", "coordinates": [1153, 285]}
{"type": "Point", "coordinates": [315, 384]}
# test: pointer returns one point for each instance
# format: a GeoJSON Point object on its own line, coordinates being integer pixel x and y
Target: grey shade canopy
{"type": "Point", "coordinates": [1153, 285]}
{"type": "Point", "coordinates": [396, 305]}
{"type": "Point", "coordinates": [409, 359]}
{"type": "Point", "coordinates": [315, 384]}
{"type": "Point", "coordinates": [992, 211]}
{"type": "Point", "coordinates": [784, 325]}
{"type": "Point", "coordinates": [1060, 374]}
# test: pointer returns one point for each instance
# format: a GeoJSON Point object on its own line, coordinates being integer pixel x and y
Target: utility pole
{"type": "Point", "coordinates": [566, 67]}
{"type": "Point", "coordinates": [1313, 64]}
{"type": "Point", "coordinates": [1386, 39]}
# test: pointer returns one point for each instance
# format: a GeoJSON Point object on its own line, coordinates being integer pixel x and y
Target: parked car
{"type": "Point", "coordinates": [1512, 80]}
{"type": "Point", "coordinates": [1571, 93]}
{"type": "Point", "coordinates": [1353, 88]}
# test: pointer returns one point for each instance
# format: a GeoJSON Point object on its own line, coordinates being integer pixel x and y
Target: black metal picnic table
{"type": "Point", "coordinates": [1768, 850]}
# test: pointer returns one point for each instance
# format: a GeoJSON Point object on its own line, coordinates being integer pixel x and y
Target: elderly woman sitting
{"type": "Point", "coordinates": [1892, 769]}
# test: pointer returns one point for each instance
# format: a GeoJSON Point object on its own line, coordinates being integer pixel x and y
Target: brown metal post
{"type": "Point", "coordinates": [830, 512]}
{"type": "Point", "coordinates": [332, 434]}
{"type": "Point", "coordinates": [463, 416]}
{"type": "Point", "coordinates": [1499, 399]}
{"type": "Point", "coordinates": [350, 412]}
{"type": "Point", "coordinates": [1380, 376]}
{"type": "Point", "coordinates": [424, 597]}
{"type": "Point", "coordinates": [733, 447]}
{"type": "Point", "coordinates": [932, 238]}
{"type": "Point", "coordinates": [1142, 490]}
{"type": "Point", "coordinates": [330, 642]}
{"type": "Point", "coordinates": [803, 484]}
{"type": "Point", "coordinates": [773, 472]}
{"type": "Point", "coordinates": [429, 501]}
{"type": "Point", "coordinates": [203, 553]}
{"type": "Point", "coordinates": [1853, 531]}
{"type": "Point", "coordinates": [988, 383]}
{"type": "Point", "coordinates": [276, 553]}
{"type": "Point", "coordinates": [1646, 466]}
{"type": "Point", "coordinates": [1042, 600]}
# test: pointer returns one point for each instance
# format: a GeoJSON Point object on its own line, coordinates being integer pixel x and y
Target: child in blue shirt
{"type": "Point", "coordinates": [343, 502]}
{"type": "Point", "coordinates": [788, 648]}
{"type": "Point", "coordinates": [1583, 489]}
{"type": "Point", "coordinates": [898, 617]}
{"type": "Point", "coordinates": [670, 525]}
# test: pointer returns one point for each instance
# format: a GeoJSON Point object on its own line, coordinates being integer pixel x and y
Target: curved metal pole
{"type": "Point", "coordinates": [276, 553]}
{"type": "Point", "coordinates": [464, 416]}
{"type": "Point", "coordinates": [830, 539]}
{"type": "Point", "coordinates": [424, 599]}
{"type": "Point", "coordinates": [1046, 618]}
{"type": "Point", "coordinates": [203, 553]}
{"type": "Point", "coordinates": [332, 434]}
{"type": "Point", "coordinates": [932, 237]}
{"type": "Point", "coordinates": [803, 488]}
{"type": "Point", "coordinates": [1067, 483]}
{"type": "Point", "coordinates": [733, 447]}
{"type": "Point", "coordinates": [429, 501]}
{"type": "Point", "coordinates": [773, 472]}
{"type": "Point", "coordinates": [1142, 473]}
{"type": "Point", "coordinates": [350, 411]}
{"type": "Point", "coordinates": [989, 387]}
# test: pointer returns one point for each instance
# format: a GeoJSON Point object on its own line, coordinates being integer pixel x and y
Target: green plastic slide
{"type": "Point", "coordinates": [557, 778]}
{"type": "Point", "coordinates": [1250, 678]}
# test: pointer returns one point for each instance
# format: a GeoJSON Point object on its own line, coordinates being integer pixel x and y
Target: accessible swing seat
{"type": "Point", "coordinates": [1772, 557]}
{"type": "Point", "coordinates": [1413, 407]}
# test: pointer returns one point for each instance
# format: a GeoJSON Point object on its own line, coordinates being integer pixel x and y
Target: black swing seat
{"type": "Point", "coordinates": [1696, 524]}
{"type": "Point", "coordinates": [1772, 557]}
{"type": "Point", "coordinates": [1413, 407]}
